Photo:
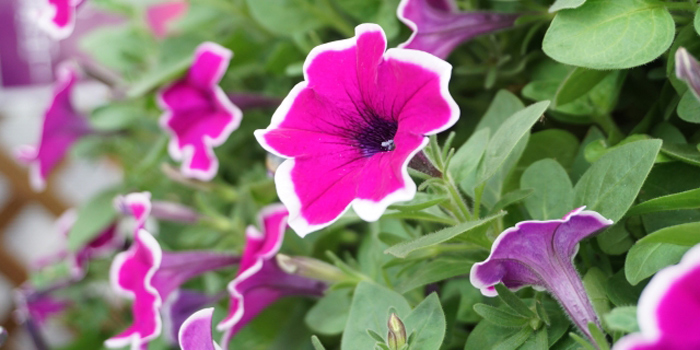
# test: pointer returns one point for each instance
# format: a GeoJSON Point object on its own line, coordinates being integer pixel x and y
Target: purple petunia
{"type": "Point", "coordinates": [438, 26]}
{"type": "Point", "coordinates": [260, 280]}
{"type": "Point", "coordinates": [198, 115]}
{"type": "Point", "coordinates": [180, 305]}
{"type": "Point", "coordinates": [540, 254]}
{"type": "Point", "coordinates": [57, 17]}
{"type": "Point", "coordinates": [149, 276]}
{"type": "Point", "coordinates": [62, 127]}
{"type": "Point", "coordinates": [195, 333]}
{"type": "Point", "coordinates": [351, 127]}
{"type": "Point", "coordinates": [668, 309]}
{"type": "Point", "coordinates": [688, 69]}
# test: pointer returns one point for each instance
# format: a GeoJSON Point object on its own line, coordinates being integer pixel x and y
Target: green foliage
{"type": "Point", "coordinates": [553, 190]}
{"type": "Point", "coordinates": [93, 217]}
{"type": "Point", "coordinates": [610, 34]}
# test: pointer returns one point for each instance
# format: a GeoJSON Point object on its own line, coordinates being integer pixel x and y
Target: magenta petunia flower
{"type": "Point", "coordinates": [62, 127]}
{"type": "Point", "coordinates": [540, 254]}
{"type": "Point", "coordinates": [162, 210]}
{"type": "Point", "coordinates": [260, 280]}
{"type": "Point", "coordinates": [57, 17]}
{"type": "Point", "coordinates": [148, 275]}
{"type": "Point", "coordinates": [668, 309]}
{"type": "Point", "coordinates": [198, 115]}
{"type": "Point", "coordinates": [688, 70]}
{"type": "Point", "coordinates": [195, 333]}
{"type": "Point", "coordinates": [352, 126]}
{"type": "Point", "coordinates": [106, 242]}
{"type": "Point", "coordinates": [438, 26]}
{"type": "Point", "coordinates": [37, 306]}
{"type": "Point", "coordinates": [180, 305]}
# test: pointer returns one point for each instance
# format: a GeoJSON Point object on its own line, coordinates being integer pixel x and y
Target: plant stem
{"type": "Point", "coordinates": [608, 125]}
{"type": "Point", "coordinates": [457, 198]}
{"type": "Point", "coordinates": [478, 192]}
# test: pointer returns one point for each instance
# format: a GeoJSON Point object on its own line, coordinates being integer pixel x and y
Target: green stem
{"type": "Point", "coordinates": [333, 18]}
{"type": "Point", "coordinates": [478, 193]}
{"type": "Point", "coordinates": [608, 124]}
{"type": "Point", "coordinates": [457, 198]}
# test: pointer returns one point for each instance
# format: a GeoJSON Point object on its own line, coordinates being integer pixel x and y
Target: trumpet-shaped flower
{"type": "Point", "coordinates": [668, 309]}
{"type": "Point", "coordinates": [260, 280]}
{"type": "Point", "coordinates": [351, 127]}
{"type": "Point", "coordinates": [688, 69]}
{"type": "Point", "coordinates": [540, 254]}
{"type": "Point", "coordinates": [180, 305]}
{"type": "Point", "coordinates": [62, 127]}
{"type": "Point", "coordinates": [438, 26]}
{"type": "Point", "coordinates": [57, 17]}
{"type": "Point", "coordinates": [148, 275]}
{"type": "Point", "coordinates": [198, 115]}
{"type": "Point", "coordinates": [195, 333]}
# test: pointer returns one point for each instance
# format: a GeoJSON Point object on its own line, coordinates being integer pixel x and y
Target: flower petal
{"type": "Point", "coordinates": [179, 306]}
{"type": "Point", "coordinates": [195, 333]}
{"type": "Point", "coordinates": [57, 17]}
{"type": "Point", "coordinates": [688, 69]}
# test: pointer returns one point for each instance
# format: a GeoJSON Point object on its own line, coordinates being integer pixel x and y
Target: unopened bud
{"type": "Point", "coordinates": [310, 268]}
{"type": "Point", "coordinates": [397, 332]}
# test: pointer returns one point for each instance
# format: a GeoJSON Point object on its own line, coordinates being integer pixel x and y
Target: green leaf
{"type": "Point", "coordinates": [583, 342]}
{"type": "Point", "coordinates": [512, 300]}
{"type": "Point", "coordinates": [402, 250]}
{"type": "Point", "coordinates": [504, 105]}
{"type": "Point", "coordinates": [644, 260]}
{"type": "Point", "coordinates": [580, 164]}
{"type": "Point", "coordinates": [467, 157]}
{"type": "Point", "coordinates": [317, 343]}
{"type": "Point", "coordinates": [515, 340]}
{"type": "Point", "coordinates": [556, 144]}
{"type": "Point", "coordinates": [329, 315]}
{"type": "Point", "coordinates": [115, 116]}
{"type": "Point", "coordinates": [683, 152]}
{"type": "Point", "coordinates": [594, 283]}
{"type": "Point", "coordinates": [620, 292]}
{"type": "Point", "coordinates": [598, 336]}
{"type": "Point", "coordinates": [623, 319]}
{"type": "Point", "coordinates": [677, 201]}
{"type": "Point", "coordinates": [159, 76]}
{"type": "Point", "coordinates": [689, 108]}
{"type": "Point", "coordinates": [613, 182]}
{"type": "Point", "coordinates": [684, 235]}
{"type": "Point", "coordinates": [285, 17]}
{"type": "Point", "coordinates": [506, 138]}
{"type": "Point", "coordinates": [565, 4]}
{"type": "Point", "coordinates": [511, 198]}
{"type": "Point", "coordinates": [370, 309]}
{"type": "Point", "coordinates": [434, 271]}
{"type": "Point", "coordinates": [427, 324]}
{"type": "Point", "coordinates": [578, 83]}
{"type": "Point", "coordinates": [419, 202]}
{"type": "Point", "coordinates": [615, 240]}
{"type": "Point", "coordinates": [554, 193]}
{"type": "Point", "coordinates": [610, 34]}
{"type": "Point", "coordinates": [93, 217]}
{"type": "Point", "coordinates": [500, 317]}
{"type": "Point", "coordinates": [696, 21]}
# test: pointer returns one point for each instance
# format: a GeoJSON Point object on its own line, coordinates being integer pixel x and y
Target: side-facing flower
{"type": "Point", "coordinates": [198, 115]}
{"type": "Point", "coordinates": [148, 275]}
{"type": "Point", "coordinates": [195, 333]}
{"type": "Point", "coordinates": [38, 306]}
{"type": "Point", "coordinates": [540, 254]}
{"type": "Point", "coordinates": [62, 127]}
{"type": "Point", "coordinates": [438, 26]}
{"type": "Point", "coordinates": [688, 70]}
{"type": "Point", "coordinates": [57, 17]}
{"type": "Point", "coordinates": [260, 280]}
{"type": "Point", "coordinates": [160, 15]}
{"type": "Point", "coordinates": [351, 127]}
{"type": "Point", "coordinates": [668, 309]}
{"type": "Point", "coordinates": [180, 305]}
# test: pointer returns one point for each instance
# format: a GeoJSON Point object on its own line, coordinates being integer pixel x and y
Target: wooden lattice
{"type": "Point", "coordinates": [21, 195]}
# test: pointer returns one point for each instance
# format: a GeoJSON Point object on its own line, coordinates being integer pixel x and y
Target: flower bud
{"type": "Point", "coordinates": [397, 332]}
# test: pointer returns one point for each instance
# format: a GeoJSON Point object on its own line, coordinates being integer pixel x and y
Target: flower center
{"type": "Point", "coordinates": [376, 135]}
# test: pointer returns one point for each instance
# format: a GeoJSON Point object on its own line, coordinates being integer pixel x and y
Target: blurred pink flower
{"type": "Point", "coordinates": [57, 17]}
{"type": "Point", "coordinates": [160, 15]}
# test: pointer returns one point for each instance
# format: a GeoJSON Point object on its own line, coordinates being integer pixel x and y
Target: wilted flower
{"type": "Point", "coordinates": [668, 309]}
{"type": "Point", "coordinates": [438, 26]}
{"type": "Point", "coordinates": [350, 129]}
{"type": "Point", "coordinates": [540, 254]}
{"type": "Point", "coordinates": [62, 127]}
{"type": "Point", "coordinates": [260, 280]}
{"type": "Point", "coordinates": [198, 115]}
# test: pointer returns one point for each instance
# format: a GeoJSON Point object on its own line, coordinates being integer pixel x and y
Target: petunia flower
{"type": "Point", "coordinates": [37, 306]}
{"type": "Point", "coordinates": [198, 115]}
{"type": "Point", "coordinates": [180, 305]}
{"type": "Point", "coordinates": [62, 127]}
{"type": "Point", "coordinates": [688, 70]}
{"type": "Point", "coordinates": [160, 15]}
{"type": "Point", "coordinates": [438, 26]}
{"type": "Point", "coordinates": [540, 254]}
{"type": "Point", "coordinates": [162, 210]}
{"type": "Point", "coordinates": [351, 127]}
{"type": "Point", "coordinates": [668, 309]}
{"type": "Point", "coordinates": [260, 280]}
{"type": "Point", "coordinates": [148, 275]}
{"type": "Point", "coordinates": [195, 333]}
{"type": "Point", "coordinates": [57, 17]}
